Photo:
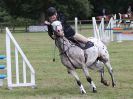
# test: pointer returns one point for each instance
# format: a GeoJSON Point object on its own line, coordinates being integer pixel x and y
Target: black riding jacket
{"type": "Point", "coordinates": [68, 30]}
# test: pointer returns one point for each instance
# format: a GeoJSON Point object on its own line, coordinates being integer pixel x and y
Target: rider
{"type": "Point", "coordinates": [69, 33]}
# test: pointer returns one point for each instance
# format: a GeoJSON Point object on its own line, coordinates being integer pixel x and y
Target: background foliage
{"type": "Point", "coordinates": [111, 6]}
{"type": "Point", "coordinates": [36, 9]}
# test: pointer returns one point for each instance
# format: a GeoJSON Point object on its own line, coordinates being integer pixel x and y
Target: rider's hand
{"type": "Point", "coordinates": [46, 22]}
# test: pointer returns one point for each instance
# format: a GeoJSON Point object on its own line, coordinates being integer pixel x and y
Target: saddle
{"type": "Point", "coordinates": [83, 46]}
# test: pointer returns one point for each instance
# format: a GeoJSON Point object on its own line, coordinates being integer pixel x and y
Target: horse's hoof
{"type": "Point", "coordinates": [113, 84]}
{"type": "Point", "coordinates": [105, 82]}
{"type": "Point", "coordinates": [83, 92]}
{"type": "Point", "coordinates": [94, 90]}
{"type": "Point", "coordinates": [108, 83]}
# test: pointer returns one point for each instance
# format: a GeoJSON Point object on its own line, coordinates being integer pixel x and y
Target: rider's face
{"type": "Point", "coordinates": [53, 17]}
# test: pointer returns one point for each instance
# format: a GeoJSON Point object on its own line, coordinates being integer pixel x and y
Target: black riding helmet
{"type": "Point", "coordinates": [51, 11]}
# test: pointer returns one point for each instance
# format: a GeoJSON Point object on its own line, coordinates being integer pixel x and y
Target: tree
{"type": "Point", "coordinates": [36, 9]}
{"type": "Point", "coordinates": [75, 8]}
{"type": "Point", "coordinates": [4, 16]}
{"type": "Point", "coordinates": [111, 6]}
{"type": "Point", "coordinates": [33, 9]}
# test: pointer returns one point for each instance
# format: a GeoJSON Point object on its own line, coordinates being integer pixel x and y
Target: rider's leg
{"type": "Point", "coordinates": [80, 38]}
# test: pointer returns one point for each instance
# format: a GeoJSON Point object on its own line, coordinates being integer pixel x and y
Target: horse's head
{"type": "Point", "coordinates": [60, 40]}
{"type": "Point", "coordinates": [58, 29]}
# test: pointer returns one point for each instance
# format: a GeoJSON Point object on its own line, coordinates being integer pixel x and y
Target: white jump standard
{"type": "Point", "coordinates": [15, 78]}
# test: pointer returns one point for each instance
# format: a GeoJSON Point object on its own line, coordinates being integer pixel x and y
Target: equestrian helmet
{"type": "Point", "coordinates": [51, 11]}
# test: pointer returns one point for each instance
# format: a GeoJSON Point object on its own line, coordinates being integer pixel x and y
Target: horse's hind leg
{"type": "Point", "coordinates": [85, 69]}
{"type": "Point", "coordinates": [102, 77]}
{"type": "Point", "coordinates": [75, 75]}
{"type": "Point", "coordinates": [110, 70]}
{"type": "Point", "coordinates": [99, 66]}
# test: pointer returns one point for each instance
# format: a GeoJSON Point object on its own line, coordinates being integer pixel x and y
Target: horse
{"type": "Point", "coordinates": [106, 17]}
{"type": "Point", "coordinates": [73, 57]}
{"type": "Point", "coordinates": [126, 16]}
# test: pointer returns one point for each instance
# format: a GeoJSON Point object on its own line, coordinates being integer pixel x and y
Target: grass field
{"type": "Point", "coordinates": [52, 79]}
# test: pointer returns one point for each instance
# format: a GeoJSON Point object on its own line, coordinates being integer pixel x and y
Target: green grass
{"type": "Point", "coordinates": [52, 79]}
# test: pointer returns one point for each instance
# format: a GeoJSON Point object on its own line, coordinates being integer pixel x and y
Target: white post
{"type": "Point", "coordinates": [119, 20]}
{"type": "Point", "coordinates": [76, 24]}
{"type": "Point", "coordinates": [24, 71]}
{"type": "Point", "coordinates": [101, 29]}
{"type": "Point", "coordinates": [95, 28]}
{"type": "Point", "coordinates": [113, 22]}
{"type": "Point", "coordinates": [109, 31]}
{"type": "Point", "coordinates": [8, 55]}
{"type": "Point", "coordinates": [17, 66]}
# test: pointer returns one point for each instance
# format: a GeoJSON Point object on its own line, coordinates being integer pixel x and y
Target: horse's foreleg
{"type": "Point", "coordinates": [110, 70]}
{"type": "Point", "coordinates": [75, 75]}
{"type": "Point", "coordinates": [85, 70]}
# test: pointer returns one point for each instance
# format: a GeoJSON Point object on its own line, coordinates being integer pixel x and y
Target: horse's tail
{"type": "Point", "coordinates": [106, 41]}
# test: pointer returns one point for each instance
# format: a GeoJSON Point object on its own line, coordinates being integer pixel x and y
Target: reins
{"type": "Point", "coordinates": [65, 51]}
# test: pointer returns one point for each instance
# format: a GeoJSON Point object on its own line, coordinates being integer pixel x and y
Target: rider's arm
{"type": "Point", "coordinates": [50, 29]}
{"type": "Point", "coordinates": [68, 31]}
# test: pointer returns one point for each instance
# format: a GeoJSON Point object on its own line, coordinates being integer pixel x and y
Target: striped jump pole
{"type": "Point", "coordinates": [2, 67]}
{"type": "Point", "coordinates": [117, 28]}
{"type": "Point", "coordinates": [120, 36]}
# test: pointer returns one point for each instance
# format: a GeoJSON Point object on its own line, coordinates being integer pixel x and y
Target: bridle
{"type": "Point", "coordinates": [64, 52]}
{"type": "Point", "coordinates": [63, 44]}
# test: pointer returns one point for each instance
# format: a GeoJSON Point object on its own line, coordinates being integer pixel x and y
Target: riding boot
{"type": "Point", "coordinates": [88, 44]}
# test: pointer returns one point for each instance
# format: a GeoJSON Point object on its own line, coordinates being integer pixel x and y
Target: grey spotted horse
{"type": "Point", "coordinates": [73, 57]}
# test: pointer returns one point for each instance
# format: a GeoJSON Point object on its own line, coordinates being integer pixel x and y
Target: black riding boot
{"type": "Point", "coordinates": [88, 44]}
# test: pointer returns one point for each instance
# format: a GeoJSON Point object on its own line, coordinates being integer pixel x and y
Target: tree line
{"type": "Point", "coordinates": [35, 10]}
